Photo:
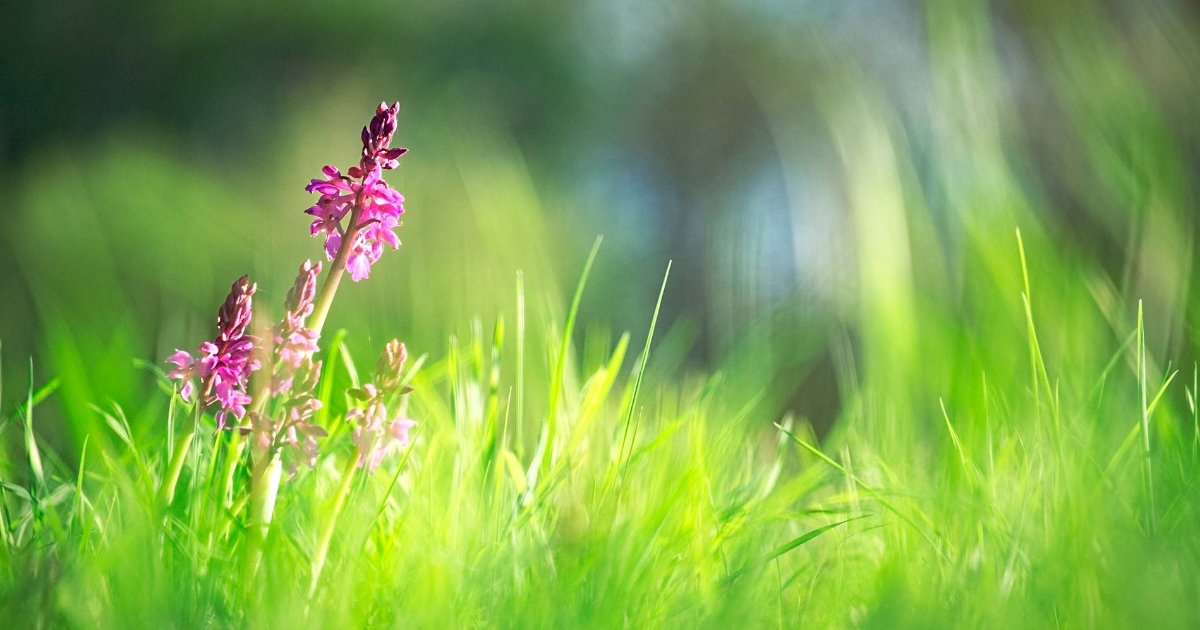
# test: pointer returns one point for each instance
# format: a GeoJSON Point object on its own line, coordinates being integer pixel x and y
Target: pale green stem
{"type": "Point", "coordinates": [166, 493]}
{"type": "Point", "coordinates": [266, 471]}
{"type": "Point", "coordinates": [264, 488]}
{"type": "Point", "coordinates": [335, 508]}
{"type": "Point", "coordinates": [234, 509]}
{"type": "Point", "coordinates": [233, 455]}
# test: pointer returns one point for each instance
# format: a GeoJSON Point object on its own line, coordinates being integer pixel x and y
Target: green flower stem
{"type": "Point", "coordinates": [266, 472]}
{"type": "Point", "coordinates": [264, 488]}
{"type": "Point", "coordinates": [166, 493]}
{"type": "Point", "coordinates": [227, 526]}
{"type": "Point", "coordinates": [335, 508]}
{"type": "Point", "coordinates": [237, 444]}
{"type": "Point", "coordinates": [316, 321]}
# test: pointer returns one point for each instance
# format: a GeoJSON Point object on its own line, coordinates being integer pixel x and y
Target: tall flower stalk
{"type": "Point", "coordinates": [287, 426]}
{"type": "Point", "coordinates": [375, 433]}
{"type": "Point", "coordinates": [222, 367]}
{"type": "Point", "coordinates": [357, 213]}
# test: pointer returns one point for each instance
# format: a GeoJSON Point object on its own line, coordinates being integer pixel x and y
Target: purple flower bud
{"type": "Point", "coordinates": [234, 315]}
{"type": "Point", "coordinates": [300, 297]}
{"type": "Point", "coordinates": [377, 135]}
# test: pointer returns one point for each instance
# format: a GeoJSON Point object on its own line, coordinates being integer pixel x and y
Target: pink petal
{"type": "Point", "coordinates": [358, 266]}
{"type": "Point", "coordinates": [181, 359]}
{"type": "Point", "coordinates": [332, 243]}
{"type": "Point", "coordinates": [399, 430]}
{"type": "Point", "coordinates": [390, 238]}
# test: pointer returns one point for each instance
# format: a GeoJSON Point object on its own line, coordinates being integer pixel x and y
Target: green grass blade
{"type": "Point", "coordinates": [546, 448]}
{"type": "Point", "coordinates": [875, 494]}
{"type": "Point", "coordinates": [1145, 408]}
{"type": "Point", "coordinates": [641, 371]}
{"type": "Point", "coordinates": [31, 446]}
{"type": "Point", "coordinates": [520, 385]}
{"type": "Point", "coordinates": [328, 371]}
{"type": "Point", "coordinates": [786, 547]}
{"type": "Point", "coordinates": [39, 395]}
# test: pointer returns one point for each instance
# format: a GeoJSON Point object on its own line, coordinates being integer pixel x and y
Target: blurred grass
{"type": "Point", "coordinates": [1005, 309]}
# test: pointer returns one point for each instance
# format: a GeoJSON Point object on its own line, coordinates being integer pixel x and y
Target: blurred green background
{"type": "Point", "coordinates": [838, 183]}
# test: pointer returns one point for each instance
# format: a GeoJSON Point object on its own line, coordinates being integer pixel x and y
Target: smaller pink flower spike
{"type": "Point", "coordinates": [222, 366]}
{"type": "Point", "coordinates": [294, 376]}
{"type": "Point", "coordinates": [375, 434]}
{"type": "Point", "coordinates": [294, 343]}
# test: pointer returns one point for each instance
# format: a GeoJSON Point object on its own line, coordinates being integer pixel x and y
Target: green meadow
{"type": "Point", "coordinates": [972, 404]}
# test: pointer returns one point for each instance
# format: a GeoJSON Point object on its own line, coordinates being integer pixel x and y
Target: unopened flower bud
{"type": "Point", "coordinates": [390, 367]}
{"type": "Point", "coordinates": [234, 316]}
{"type": "Point", "coordinates": [300, 297]}
{"type": "Point", "coordinates": [307, 377]}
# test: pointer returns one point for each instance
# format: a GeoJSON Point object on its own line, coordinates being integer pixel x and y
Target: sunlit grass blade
{"type": "Point", "coordinates": [31, 446]}
{"type": "Point", "coordinates": [786, 547]}
{"type": "Point", "coordinates": [870, 490]}
{"type": "Point", "coordinates": [546, 443]}
{"type": "Point", "coordinates": [1145, 418]}
{"type": "Point", "coordinates": [629, 427]}
{"type": "Point", "coordinates": [1041, 378]}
